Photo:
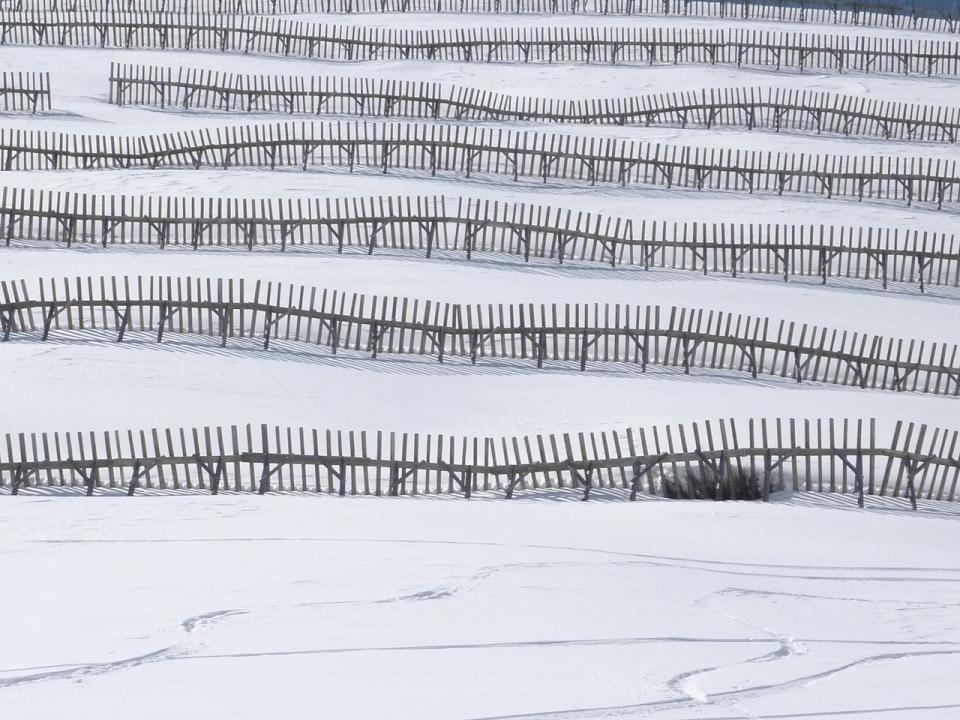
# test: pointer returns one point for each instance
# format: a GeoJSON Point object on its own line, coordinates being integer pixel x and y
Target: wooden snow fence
{"type": "Point", "coordinates": [570, 335]}
{"type": "Point", "coordinates": [459, 228]}
{"type": "Point", "coordinates": [763, 108]}
{"type": "Point", "coordinates": [869, 13]}
{"type": "Point", "coordinates": [24, 92]}
{"type": "Point", "coordinates": [466, 150]}
{"type": "Point", "coordinates": [830, 456]}
{"type": "Point", "coordinates": [607, 45]}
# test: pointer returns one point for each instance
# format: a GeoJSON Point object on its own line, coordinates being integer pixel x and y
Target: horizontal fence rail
{"type": "Point", "coordinates": [620, 45]}
{"type": "Point", "coordinates": [471, 150]}
{"type": "Point", "coordinates": [764, 108]}
{"type": "Point", "coordinates": [24, 91]}
{"type": "Point", "coordinates": [437, 226]}
{"type": "Point", "coordinates": [583, 333]}
{"type": "Point", "coordinates": [929, 17]}
{"type": "Point", "coordinates": [726, 461]}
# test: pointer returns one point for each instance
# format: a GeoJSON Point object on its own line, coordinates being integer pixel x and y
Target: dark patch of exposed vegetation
{"type": "Point", "coordinates": [736, 485]}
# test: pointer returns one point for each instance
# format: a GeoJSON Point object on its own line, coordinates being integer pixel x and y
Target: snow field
{"type": "Point", "coordinates": [82, 73]}
{"type": "Point", "coordinates": [187, 383]}
{"type": "Point", "coordinates": [507, 21]}
{"type": "Point", "coordinates": [638, 203]}
{"type": "Point", "coordinates": [80, 89]}
{"type": "Point", "coordinates": [543, 608]}
{"type": "Point", "coordinates": [85, 73]}
{"type": "Point", "coordinates": [415, 608]}
{"type": "Point", "coordinates": [497, 278]}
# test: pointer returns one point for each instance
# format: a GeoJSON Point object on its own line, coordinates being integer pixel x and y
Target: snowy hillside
{"type": "Point", "coordinates": [528, 253]}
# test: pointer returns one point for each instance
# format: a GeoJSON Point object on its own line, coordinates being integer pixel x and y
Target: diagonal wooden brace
{"type": "Point", "coordinates": [514, 477]}
{"type": "Point", "coordinates": [640, 471]}
{"type": "Point", "coordinates": [266, 474]}
{"type": "Point", "coordinates": [89, 478]}
{"type": "Point", "coordinates": [141, 469]}
{"type": "Point", "coordinates": [214, 471]}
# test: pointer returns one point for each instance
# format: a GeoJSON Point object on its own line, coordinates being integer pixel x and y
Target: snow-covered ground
{"type": "Point", "coordinates": [451, 21]}
{"type": "Point", "coordinates": [250, 607]}
{"type": "Point", "coordinates": [637, 202]}
{"type": "Point", "coordinates": [181, 383]}
{"type": "Point", "coordinates": [307, 385]}
{"type": "Point", "coordinates": [298, 607]}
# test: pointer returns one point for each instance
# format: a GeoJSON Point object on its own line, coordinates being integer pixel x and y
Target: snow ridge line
{"type": "Point", "coordinates": [877, 13]}
{"type": "Point", "coordinates": [467, 149]}
{"type": "Point", "coordinates": [641, 336]}
{"type": "Point", "coordinates": [700, 460]}
{"type": "Point", "coordinates": [466, 226]}
{"type": "Point", "coordinates": [770, 108]}
{"type": "Point", "coordinates": [621, 45]}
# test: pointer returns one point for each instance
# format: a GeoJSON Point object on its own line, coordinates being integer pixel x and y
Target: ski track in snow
{"type": "Point", "coordinates": [190, 625]}
{"type": "Point", "coordinates": [683, 685]}
{"type": "Point", "coordinates": [209, 620]}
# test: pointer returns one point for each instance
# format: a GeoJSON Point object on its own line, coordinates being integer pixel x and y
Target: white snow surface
{"type": "Point", "coordinates": [451, 21]}
{"type": "Point", "coordinates": [639, 202]}
{"type": "Point", "coordinates": [299, 607]}
{"type": "Point", "coordinates": [545, 608]}
{"type": "Point", "coordinates": [195, 383]}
